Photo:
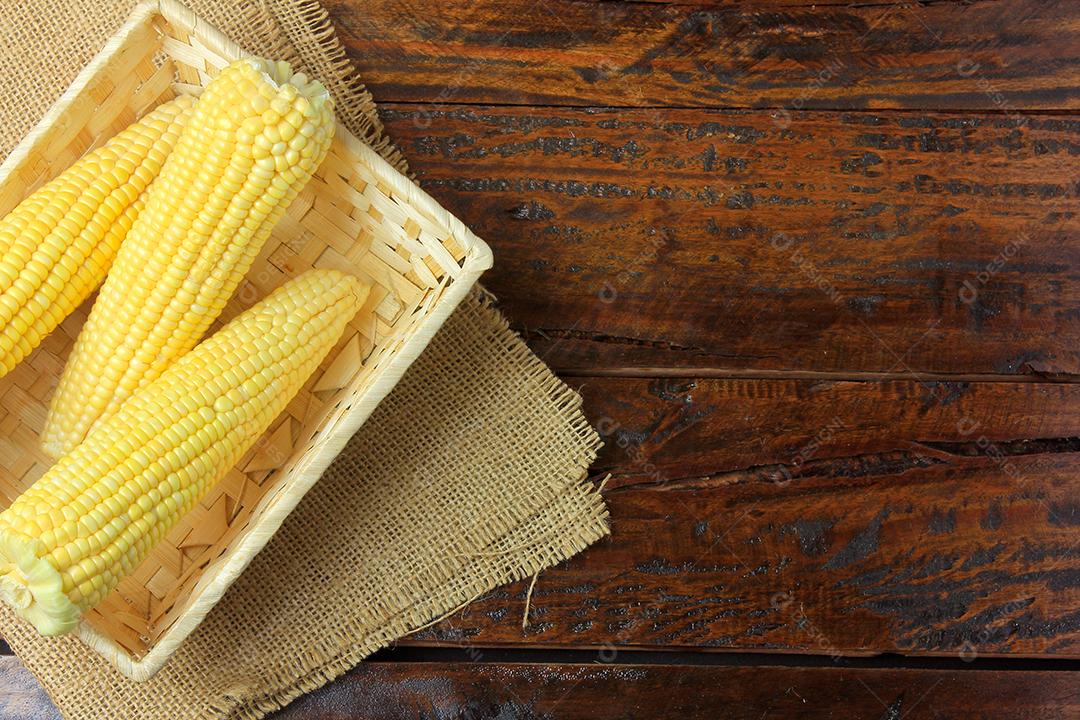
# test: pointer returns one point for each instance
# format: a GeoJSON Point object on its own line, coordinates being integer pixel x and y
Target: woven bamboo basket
{"type": "Point", "coordinates": [358, 214]}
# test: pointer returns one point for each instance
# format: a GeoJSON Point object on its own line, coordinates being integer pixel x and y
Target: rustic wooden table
{"type": "Point", "coordinates": [814, 268]}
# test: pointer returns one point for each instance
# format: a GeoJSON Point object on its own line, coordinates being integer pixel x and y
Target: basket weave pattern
{"type": "Point", "coordinates": [358, 214]}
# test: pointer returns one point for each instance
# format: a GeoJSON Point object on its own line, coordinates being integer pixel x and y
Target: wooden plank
{"type": "Point", "coordinates": [600, 691]}
{"type": "Point", "coordinates": [921, 554]}
{"type": "Point", "coordinates": [839, 56]}
{"type": "Point", "coordinates": [876, 242]}
{"type": "Point", "coordinates": [676, 428]}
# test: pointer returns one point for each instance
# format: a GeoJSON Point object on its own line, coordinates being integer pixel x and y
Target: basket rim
{"type": "Point", "coordinates": [274, 507]}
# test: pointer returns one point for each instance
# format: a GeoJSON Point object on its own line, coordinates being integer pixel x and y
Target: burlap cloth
{"type": "Point", "coordinates": [470, 474]}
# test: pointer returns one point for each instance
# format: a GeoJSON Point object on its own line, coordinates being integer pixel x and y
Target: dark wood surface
{"type": "Point", "coordinates": [896, 557]}
{"type": "Point", "coordinates": [813, 267]}
{"type": "Point", "coordinates": [736, 54]}
{"type": "Point", "coordinates": [391, 691]}
{"type": "Point", "coordinates": [703, 239]}
{"type": "Point", "coordinates": [829, 517]}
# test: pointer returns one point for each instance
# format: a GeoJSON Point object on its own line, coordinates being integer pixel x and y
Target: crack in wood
{"type": "Point", "coordinates": [601, 337]}
{"type": "Point", "coordinates": [880, 464]}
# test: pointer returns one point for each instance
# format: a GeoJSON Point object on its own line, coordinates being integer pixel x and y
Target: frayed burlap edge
{"type": "Point", "coordinates": [587, 505]}
{"type": "Point", "coordinates": [575, 519]}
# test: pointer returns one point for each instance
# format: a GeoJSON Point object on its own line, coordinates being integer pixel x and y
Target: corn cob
{"type": "Point", "coordinates": [257, 134]}
{"type": "Point", "coordinates": [90, 520]}
{"type": "Point", "coordinates": [58, 243]}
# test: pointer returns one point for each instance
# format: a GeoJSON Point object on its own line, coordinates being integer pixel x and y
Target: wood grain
{"type": "Point", "coordinates": [983, 55]}
{"type": "Point", "coordinates": [665, 429]}
{"type": "Point", "coordinates": [886, 242]}
{"type": "Point", "coordinates": [909, 554]}
{"type": "Point", "coordinates": [835, 518]}
{"type": "Point", "coordinates": [601, 691]}
{"type": "Point", "coordinates": [859, 221]}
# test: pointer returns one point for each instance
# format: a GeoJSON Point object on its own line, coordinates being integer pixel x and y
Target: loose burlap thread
{"type": "Point", "coordinates": [469, 475]}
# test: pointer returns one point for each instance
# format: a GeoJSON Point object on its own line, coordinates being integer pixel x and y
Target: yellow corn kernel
{"type": "Point", "coordinates": [220, 193]}
{"type": "Point", "coordinates": [162, 451]}
{"type": "Point", "coordinates": [58, 243]}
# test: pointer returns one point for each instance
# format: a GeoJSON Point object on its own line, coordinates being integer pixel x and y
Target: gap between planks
{"type": "Point", "coordinates": [449, 106]}
{"type": "Point", "coordinates": [846, 376]}
{"type": "Point", "coordinates": [613, 655]}
{"type": "Point", "coordinates": [780, 4]}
